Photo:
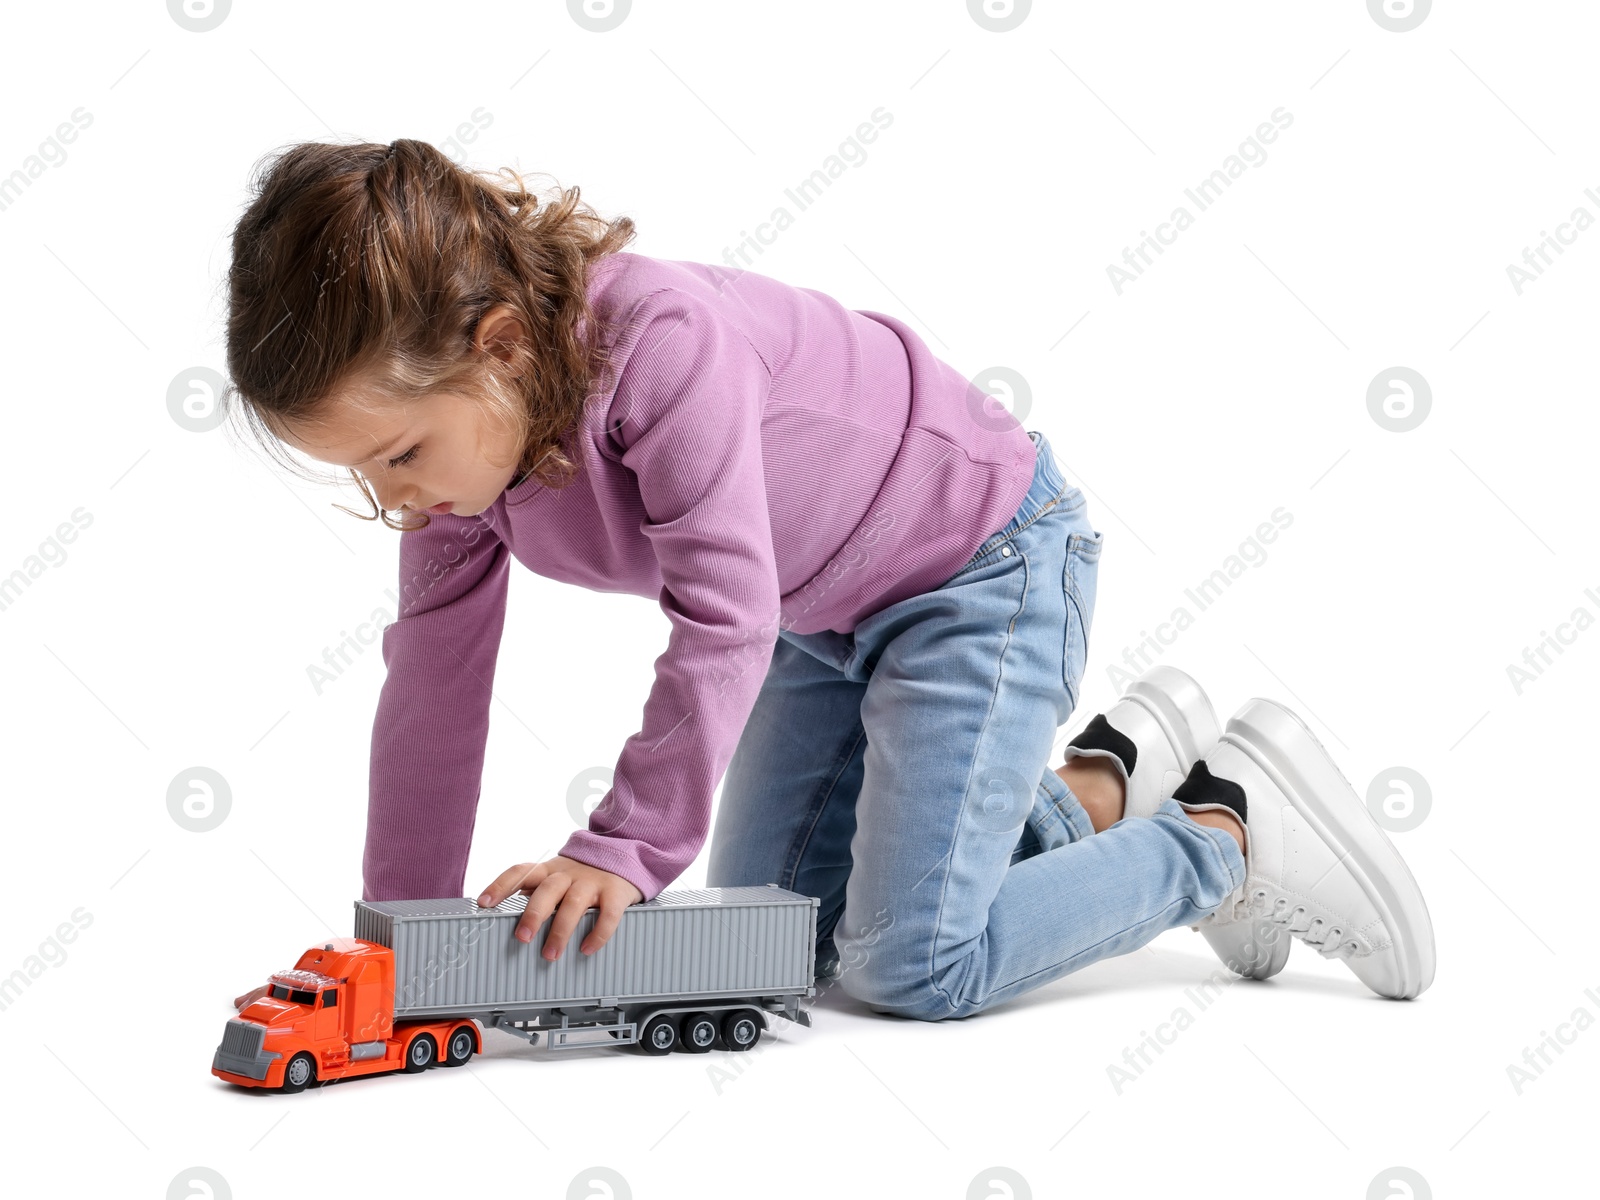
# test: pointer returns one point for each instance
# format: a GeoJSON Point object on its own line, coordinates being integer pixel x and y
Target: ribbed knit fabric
{"type": "Point", "coordinates": [764, 459]}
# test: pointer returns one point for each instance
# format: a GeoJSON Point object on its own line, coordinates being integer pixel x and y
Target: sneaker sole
{"type": "Point", "coordinates": [1180, 707]}
{"type": "Point", "coordinates": [1283, 746]}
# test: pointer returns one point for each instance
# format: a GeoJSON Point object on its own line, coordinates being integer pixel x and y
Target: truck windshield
{"type": "Point", "coordinates": [278, 992]}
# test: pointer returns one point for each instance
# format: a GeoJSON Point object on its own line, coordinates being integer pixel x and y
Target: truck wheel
{"type": "Point", "coordinates": [421, 1053]}
{"type": "Point", "coordinates": [699, 1032]}
{"type": "Point", "coordinates": [302, 1069]}
{"type": "Point", "coordinates": [460, 1047]}
{"type": "Point", "coordinates": [660, 1034]}
{"type": "Point", "coordinates": [741, 1029]}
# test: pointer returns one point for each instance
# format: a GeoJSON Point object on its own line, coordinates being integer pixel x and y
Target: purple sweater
{"type": "Point", "coordinates": [765, 460]}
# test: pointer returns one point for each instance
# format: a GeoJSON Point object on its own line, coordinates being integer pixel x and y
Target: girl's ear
{"type": "Point", "coordinates": [500, 333]}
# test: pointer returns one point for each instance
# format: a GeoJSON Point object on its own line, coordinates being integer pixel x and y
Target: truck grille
{"type": "Point", "coordinates": [242, 1039]}
{"type": "Point", "coordinates": [240, 1052]}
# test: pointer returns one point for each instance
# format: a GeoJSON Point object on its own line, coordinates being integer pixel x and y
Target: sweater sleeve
{"type": "Point", "coordinates": [432, 720]}
{"type": "Point", "coordinates": [687, 412]}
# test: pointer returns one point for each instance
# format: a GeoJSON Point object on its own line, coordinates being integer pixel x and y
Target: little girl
{"type": "Point", "coordinates": [880, 590]}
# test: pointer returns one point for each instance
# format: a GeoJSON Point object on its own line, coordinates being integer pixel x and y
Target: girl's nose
{"type": "Point", "coordinates": [388, 502]}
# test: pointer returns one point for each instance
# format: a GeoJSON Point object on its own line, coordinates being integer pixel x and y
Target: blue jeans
{"type": "Point", "coordinates": [900, 774]}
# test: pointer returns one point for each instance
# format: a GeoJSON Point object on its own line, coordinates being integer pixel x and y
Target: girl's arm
{"type": "Point", "coordinates": [432, 720]}
{"type": "Point", "coordinates": [687, 412]}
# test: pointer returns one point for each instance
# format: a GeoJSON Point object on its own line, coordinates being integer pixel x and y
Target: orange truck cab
{"type": "Point", "coordinates": [332, 1017]}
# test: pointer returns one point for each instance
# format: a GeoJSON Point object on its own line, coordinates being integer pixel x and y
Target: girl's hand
{"type": "Point", "coordinates": [251, 996]}
{"type": "Point", "coordinates": [576, 887]}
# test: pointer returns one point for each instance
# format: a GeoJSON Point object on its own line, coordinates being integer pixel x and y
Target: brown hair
{"type": "Point", "coordinates": [375, 263]}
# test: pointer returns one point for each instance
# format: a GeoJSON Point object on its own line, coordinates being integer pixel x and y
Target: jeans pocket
{"type": "Point", "coordinates": [1079, 576]}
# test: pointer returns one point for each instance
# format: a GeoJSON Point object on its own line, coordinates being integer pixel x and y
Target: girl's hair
{"type": "Point", "coordinates": [373, 264]}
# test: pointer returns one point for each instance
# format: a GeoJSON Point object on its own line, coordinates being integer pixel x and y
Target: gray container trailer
{"type": "Point", "coordinates": [696, 960]}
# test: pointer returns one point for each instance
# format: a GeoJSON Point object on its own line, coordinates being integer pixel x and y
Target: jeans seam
{"type": "Point", "coordinates": [944, 883]}
{"type": "Point", "coordinates": [1067, 818]}
{"type": "Point", "coordinates": [1000, 539]}
{"type": "Point", "coordinates": [1074, 557]}
{"type": "Point", "coordinates": [1075, 599]}
{"type": "Point", "coordinates": [1064, 806]}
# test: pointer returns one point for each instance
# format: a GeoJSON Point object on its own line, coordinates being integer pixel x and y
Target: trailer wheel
{"type": "Point", "coordinates": [660, 1034]}
{"type": "Point", "coordinates": [741, 1029]}
{"type": "Point", "coordinates": [460, 1047]}
{"type": "Point", "coordinates": [699, 1032]}
{"type": "Point", "coordinates": [302, 1070]}
{"type": "Point", "coordinates": [421, 1053]}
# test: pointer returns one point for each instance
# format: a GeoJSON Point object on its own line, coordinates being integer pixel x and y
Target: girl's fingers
{"type": "Point", "coordinates": [605, 924]}
{"type": "Point", "coordinates": [569, 890]}
{"type": "Point", "coordinates": [573, 905]}
{"type": "Point", "coordinates": [251, 996]}
{"type": "Point", "coordinates": [511, 880]}
{"type": "Point", "coordinates": [544, 899]}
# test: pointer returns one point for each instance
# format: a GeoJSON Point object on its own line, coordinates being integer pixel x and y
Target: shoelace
{"type": "Point", "coordinates": [1327, 937]}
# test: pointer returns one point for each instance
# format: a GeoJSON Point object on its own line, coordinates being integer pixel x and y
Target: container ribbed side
{"type": "Point", "coordinates": [470, 959]}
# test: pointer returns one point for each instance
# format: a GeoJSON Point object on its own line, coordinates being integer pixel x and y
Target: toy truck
{"type": "Point", "coordinates": [416, 986]}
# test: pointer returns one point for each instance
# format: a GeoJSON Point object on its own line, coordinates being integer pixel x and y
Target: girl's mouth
{"type": "Point", "coordinates": [441, 508]}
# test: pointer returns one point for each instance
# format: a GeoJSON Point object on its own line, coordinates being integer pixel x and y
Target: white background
{"type": "Point", "coordinates": [1229, 380]}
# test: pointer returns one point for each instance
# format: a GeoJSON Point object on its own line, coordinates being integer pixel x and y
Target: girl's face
{"type": "Point", "coordinates": [441, 453]}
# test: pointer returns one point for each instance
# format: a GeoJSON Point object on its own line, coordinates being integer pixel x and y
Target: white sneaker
{"type": "Point", "coordinates": [1154, 734]}
{"type": "Point", "coordinates": [1316, 863]}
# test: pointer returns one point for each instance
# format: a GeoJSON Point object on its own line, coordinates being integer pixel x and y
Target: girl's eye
{"type": "Point", "coordinates": [404, 458]}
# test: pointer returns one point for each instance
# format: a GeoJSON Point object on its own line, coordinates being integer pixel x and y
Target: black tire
{"type": "Point", "coordinates": [460, 1047]}
{"type": "Point", "coordinates": [698, 1032]}
{"type": "Point", "coordinates": [741, 1029]}
{"type": "Point", "coordinates": [422, 1052]}
{"type": "Point", "coordinates": [300, 1073]}
{"type": "Point", "coordinates": [660, 1034]}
